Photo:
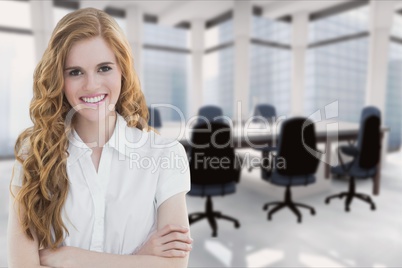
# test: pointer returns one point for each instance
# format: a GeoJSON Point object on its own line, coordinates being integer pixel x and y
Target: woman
{"type": "Point", "coordinates": [80, 194]}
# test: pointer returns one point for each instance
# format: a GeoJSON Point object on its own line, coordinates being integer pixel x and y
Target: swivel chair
{"type": "Point", "coordinates": [297, 149]}
{"type": "Point", "coordinates": [214, 170]}
{"type": "Point", "coordinates": [209, 113]}
{"type": "Point", "coordinates": [154, 120]}
{"type": "Point", "coordinates": [366, 157]}
{"type": "Point", "coordinates": [265, 111]}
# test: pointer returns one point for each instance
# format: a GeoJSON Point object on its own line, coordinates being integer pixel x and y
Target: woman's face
{"type": "Point", "coordinates": [92, 79]}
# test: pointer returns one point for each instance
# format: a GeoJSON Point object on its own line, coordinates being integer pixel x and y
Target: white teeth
{"type": "Point", "coordinates": [94, 99]}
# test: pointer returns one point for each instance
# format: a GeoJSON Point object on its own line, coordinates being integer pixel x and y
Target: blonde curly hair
{"type": "Point", "coordinates": [45, 182]}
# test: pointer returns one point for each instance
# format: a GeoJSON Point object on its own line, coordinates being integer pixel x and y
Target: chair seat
{"type": "Point", "coordinates": [281, 180]}
{"type": "Point", "coordinates": [354, 171]}
{"type": "Point", "coordinates": [212, 189]}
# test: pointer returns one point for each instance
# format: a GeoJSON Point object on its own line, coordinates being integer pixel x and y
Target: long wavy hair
{"type": "Point", "coordinates": [42, 149]}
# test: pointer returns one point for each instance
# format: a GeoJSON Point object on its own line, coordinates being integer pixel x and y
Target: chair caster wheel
{"type": "Point", "coordinates": [313, 212]}
{"type": "Point", "coordinates": [237, 225]}
{"type": "Point", "coordinates": [265, 207]}
{"type": "Point", "coordinates": [299, 220]}
{"type": "Point", "coordinates": [372, 207]}
{"type": "Point", "coordinates": [327, 201]}
{"type": "Point", "coordinates": [214, 234]}
{"type": "Point", "coordinates": [269, 218]}
{"type": "Point", "coordinates": [347, 209]}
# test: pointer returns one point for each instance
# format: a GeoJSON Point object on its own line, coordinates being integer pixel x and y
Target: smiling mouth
{"type": "Point", "coordinates": [94, 99]}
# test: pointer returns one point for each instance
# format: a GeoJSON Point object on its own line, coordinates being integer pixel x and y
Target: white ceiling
{"type": "Point", "coordinates": [174, 12]}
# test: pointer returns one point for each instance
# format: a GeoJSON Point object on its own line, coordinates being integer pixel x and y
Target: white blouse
{"type": "Point", "coordinates": [114, 210]}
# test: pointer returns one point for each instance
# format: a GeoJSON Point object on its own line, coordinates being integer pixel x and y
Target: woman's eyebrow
{"type": "Point", "coordinates": [98, 65]}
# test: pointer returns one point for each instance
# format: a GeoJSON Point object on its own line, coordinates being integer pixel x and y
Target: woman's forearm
{"type": "Point", "coordinates": [76, 257]}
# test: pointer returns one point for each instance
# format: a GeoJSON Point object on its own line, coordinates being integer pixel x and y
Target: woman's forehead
{"type": "Point", "coordinates": [90, 52]}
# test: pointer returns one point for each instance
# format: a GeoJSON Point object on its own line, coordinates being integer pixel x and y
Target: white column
{"type": "Point", "coordinates": [197, 48]}
{"type": "Point", "coordinates": [299, 48]}
{"type": "Point", "coordinates": [42, 25]}
{"type": "Point", "coordinates": [134, 35]}
{"type": "Point", "coordinates": [381, 18]}
{"type": "Point", "coordinates": [242, 26]}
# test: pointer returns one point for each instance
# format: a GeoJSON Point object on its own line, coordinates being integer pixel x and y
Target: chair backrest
{"type": "Point", "coordinates": [266, 111]}
{"type": "Point", "coordinates": [210, 112]}
{"type": "Point", "coordinates": [212, 159]}
{"type": "Point", "coordinates": [297, 139]}
{"type": "Point", "coordinates": [154, 118]}
{"type": "Point", "coordinates": [369, 139]}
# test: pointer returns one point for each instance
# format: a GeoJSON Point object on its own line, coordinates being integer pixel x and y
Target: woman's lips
{"type": "Point", "coordinates": [94, 99]}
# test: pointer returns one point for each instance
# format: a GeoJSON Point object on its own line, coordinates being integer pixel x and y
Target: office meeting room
{"type": "Point", "coordinates": [201, 133]}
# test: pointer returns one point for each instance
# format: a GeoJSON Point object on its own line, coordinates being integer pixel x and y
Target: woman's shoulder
{"type": "Point", "coordinates": [154, 142]}
{"type": "Point", "coordinates": [148, 142]}
{"type": "Point", "coordinates": [23, 148]}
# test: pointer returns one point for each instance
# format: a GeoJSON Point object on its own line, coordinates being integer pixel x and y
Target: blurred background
{"type": "Point", "coordinates": [297, 55]}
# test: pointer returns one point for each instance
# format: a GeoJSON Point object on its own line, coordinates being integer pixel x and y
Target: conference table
{"type": "Point", "coordinates": [250, 135]}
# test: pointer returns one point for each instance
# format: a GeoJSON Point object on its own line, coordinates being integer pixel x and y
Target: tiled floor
{"type": "Point", "coordinates": [331, 238]}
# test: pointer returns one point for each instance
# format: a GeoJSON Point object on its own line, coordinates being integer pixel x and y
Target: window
{"type": "Point", "coordinates": [218, 68]}
{"type": "Point", "coordinates": [346, 23]}
{"type": "Point", "coordinates": [17, 55]}
{"type": "Point", "coordinates": [336, 71]}
{"type": "Point", "coordinates": [166, 69]}
{"type": "Point", "coordinates": [270, 74]}
{"type": "Point", "coordinates": [162, 35]}
{"type": "Point", "coordinates": [393, 110]}
{"type": "Point", "coordinates": [271, 30]}
{"type": "Point", "coordinates": [218, 79]}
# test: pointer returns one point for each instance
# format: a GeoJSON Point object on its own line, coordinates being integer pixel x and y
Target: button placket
{"type": "Point", "coordinates": [98, 199]}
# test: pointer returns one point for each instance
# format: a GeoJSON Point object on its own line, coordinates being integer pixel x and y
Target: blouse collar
{"type": "Point", "coordinates": [119, 140]}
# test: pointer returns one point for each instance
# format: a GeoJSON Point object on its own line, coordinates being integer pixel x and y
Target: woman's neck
{"type": "Point", "coordinates": [96, 133]}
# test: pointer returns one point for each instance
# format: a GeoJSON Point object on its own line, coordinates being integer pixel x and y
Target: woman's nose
{"type": "Point", "coordinates": [92, 82]}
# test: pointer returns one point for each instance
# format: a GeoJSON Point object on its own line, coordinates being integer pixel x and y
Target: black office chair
{"type": "Point", "coordinates": [214, 170]}
{"type": "Point", "coordinates": [265, 113]}
{"type": "Point", "coordinates": [297, 149]}
{"type": "Point", "coordinates": [366, 157]}
{"type": "Point", "coordinates": [154, 120]}
{"type": "Point", "coordinates": [209, 113]}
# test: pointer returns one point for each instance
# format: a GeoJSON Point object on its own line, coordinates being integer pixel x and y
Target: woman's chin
{"type": "Point", "coordinates": [95, 116]}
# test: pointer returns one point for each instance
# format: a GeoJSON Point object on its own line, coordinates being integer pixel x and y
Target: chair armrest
{"type": "Point", "coordinates": [267, 149]}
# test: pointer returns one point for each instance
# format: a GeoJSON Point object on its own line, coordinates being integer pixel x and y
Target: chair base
{"type": "Point", "coordinates": [287, 203]}
{"type": "Point", "coordinates": [211, 216]}
{"type": "Point", "coordinates": [350, 194]}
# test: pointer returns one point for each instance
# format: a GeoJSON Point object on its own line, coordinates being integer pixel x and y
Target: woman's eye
{"type": "Point", "coordinates": [105, 69]}
{"type": "Point", "coordinates": [75, 72]}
